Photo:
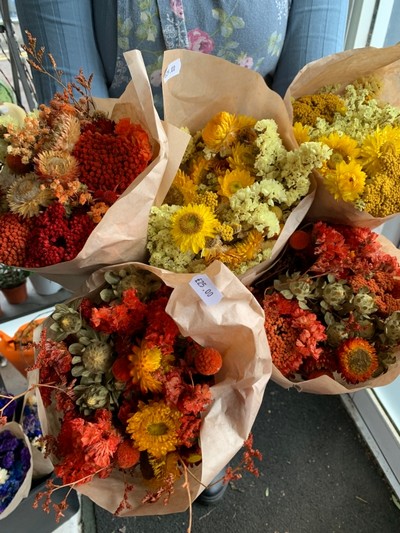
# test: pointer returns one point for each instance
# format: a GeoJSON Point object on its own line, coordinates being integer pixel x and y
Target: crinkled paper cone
{"type": "Point", "coordinates": [203, 85]}
{"type": "Point", "coordinates": [327, 385]}
{"type": "Point", "coordinates": [341, 69]}
{"type": "Point", "coordinates": [235, 326]}
{"type": "Point", "coordinates": [122, 234]}
{"type": "Point", "coordinates": [42, 466]}
{"type": "Point", "coordinates": [25, 487]}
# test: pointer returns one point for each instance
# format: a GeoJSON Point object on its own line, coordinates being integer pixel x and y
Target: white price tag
{"type": "Point", "coordinates": [172, 70]}
{"type": "Point", "coordinates": [206, 289]}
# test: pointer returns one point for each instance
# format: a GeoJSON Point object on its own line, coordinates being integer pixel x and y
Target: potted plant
{"type": "Point", "coordinates": [13, 283]}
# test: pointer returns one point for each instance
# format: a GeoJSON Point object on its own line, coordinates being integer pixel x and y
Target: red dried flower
{"type": "Point", "coordinates": [126, 317]}
{"type": "Point", "coordinates": [109, 161]}
{"type": "Point", "coordinates": [161, 330]}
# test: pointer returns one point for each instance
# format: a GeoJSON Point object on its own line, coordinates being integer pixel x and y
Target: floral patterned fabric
{"type": "Point", "coordinates": [229, 29]}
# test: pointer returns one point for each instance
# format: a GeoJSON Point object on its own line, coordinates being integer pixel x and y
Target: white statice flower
{"type": "Point", "coordinates": [4, 475]}
{"type": "Point", "coordinates": [270, 147]}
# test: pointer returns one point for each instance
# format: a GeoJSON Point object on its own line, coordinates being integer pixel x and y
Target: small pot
{"type": "Point", "coordinates": [16, 295]}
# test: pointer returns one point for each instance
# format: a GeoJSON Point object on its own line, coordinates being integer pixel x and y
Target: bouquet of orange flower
{"type": "Point", "coordinates": [136, 377]}
{"type": "Point", "coordinates": [332, 310]}
{"type": "Point", "coordinates": [349, 101]}
{"type": "Point", "coordinates": [243, 185]}
{"type": "Point", "coordinates": [74, 170]}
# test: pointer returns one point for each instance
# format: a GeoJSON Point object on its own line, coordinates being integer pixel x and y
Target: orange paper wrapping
{"type": "Point", "coordinates": [327, 385]}
{"type": "Point", "coordinates": [197, 86]}
{"type": "Point", "coordinates": [235, 326]}
{"type": "Point", "coordinates": [121, 235]}
{"type": "Point", "coordinates": [341, 69]}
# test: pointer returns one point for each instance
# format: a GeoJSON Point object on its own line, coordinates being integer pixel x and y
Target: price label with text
{"type": "Point", "coordinates": [172, 70]}
{"type": "Point", "coordinates": [206, 289]}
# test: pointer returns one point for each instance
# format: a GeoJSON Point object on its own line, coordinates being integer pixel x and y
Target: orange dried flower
{"type": "Point", "coordinates": [127, 455]}
{"type": "Point", "coordinates": [208, 361]}
{"type": "Point", "coordinates": [13, 239]}
{"type": "Point", "coordinates": [357, 360]}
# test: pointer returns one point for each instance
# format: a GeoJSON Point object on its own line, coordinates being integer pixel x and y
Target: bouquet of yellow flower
{"type": "Point", "coordinates": [80, 175]}
{"type": "Point", "coordinates": [332, 310]}
{"type": "Point", "coordinates": [243, 185]}
{"type": "Point", "coordinates": [150, 383]}
{"type": "Point", "coordinates": [350, 102]}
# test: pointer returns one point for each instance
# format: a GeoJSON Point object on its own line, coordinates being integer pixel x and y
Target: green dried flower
{"type": "Point", "coordinates": [336, 333]}
{"type": "Point", "coordinates": [335, 294]}
{"type": "Point", "coordinates": [145, 283]}
{"type": "Point", "coordinates": [392, 327]}
{"type": "Point", "coordinates": [67, 321]}
{"type": "Point", "coordinates": [364, 304]}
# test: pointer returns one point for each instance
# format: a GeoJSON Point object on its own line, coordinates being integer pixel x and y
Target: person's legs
{"type": "Point", "coordinates": [316, 28]}
{"type": "Point", "coordinates": [65, 29]}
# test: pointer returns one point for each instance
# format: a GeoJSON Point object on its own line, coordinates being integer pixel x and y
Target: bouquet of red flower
{"type": "Point", "coordinates": [79, 177]}
{"type": "Point", "coordinates": [15, 467]}
{"type": "Point", "coordinates": [332, 310]}
{"type": "Point", "coordinates": [136, 377]}
{"type": "Point", "coordinates": [350, 102]}
{"type": "Point", "coordinates": [244, 185]}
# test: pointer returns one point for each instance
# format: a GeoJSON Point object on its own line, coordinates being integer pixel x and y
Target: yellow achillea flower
{"type": "Point", "coordinates": [377, 144]}
{"type": "Point", "coordinates": [382, 196]}
{"type": "Point", "coordinates": [224, 128]}
{"type": "Point", "coordinates": [307, 109]}
{"type": "Point", "coordinates": [192, 225]}
{"type": "Point", "coordinates": [346, 182]}
{"type": "Point", "coordinates": [144, 362]}
{"type": "Point", "coordinates": [234, 180]}
{"type": "Point", "coordinates": [301, 132]}
{"type": "Point", "coordinates": [343, 146]}
{"type": "Point", "coordinates": [154, 428]}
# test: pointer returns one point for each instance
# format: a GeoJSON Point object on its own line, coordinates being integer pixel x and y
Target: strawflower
{"type": "Point", "coordinates": [232, 195]}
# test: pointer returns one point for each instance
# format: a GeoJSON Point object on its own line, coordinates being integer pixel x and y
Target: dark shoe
{"type": "Point", "coordinates": [215, 490]}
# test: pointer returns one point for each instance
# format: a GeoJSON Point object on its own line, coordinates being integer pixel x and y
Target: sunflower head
{"type": "Point", "coordinates": [192, 225]}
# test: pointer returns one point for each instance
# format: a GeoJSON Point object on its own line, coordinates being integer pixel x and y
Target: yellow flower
{"type": "Point", "coordinates": [224, 128]}
{"type": "Point", "coordinates": [241, 252]}
{"type": "Point", "coordinates": [182, 191]}
{"type": "Point", "coordinates": [234, 180]}
{"type": "Point", "coordinates": [165, 466]}
{"type": "Point", "coordinates": [382, 196]}
{"type": "Point", "coordinates": [343, 146]}
{"type": "Point", "coordinates": [307, 109]}
{"type": "Point", "coordinates": [301, 132]}
{"type": "Point", "coordinates": [154, 428]}
{"type": "Point", "coordinates": [198, 168]}
{"type": "Point", "coordinates": [378, 144]}
{"type": "Point", "coordinates": [346, 182]}
{"type": "Point", "coordinates": [242, 157]}
{"type": "Point", "coordinates": [144, 362]}
{"type": "Point", "coordinates": [192, 225]}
